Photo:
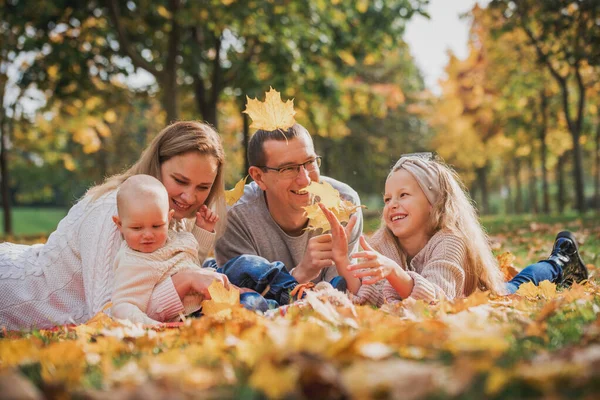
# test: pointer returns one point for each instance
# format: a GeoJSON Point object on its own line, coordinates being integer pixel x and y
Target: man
{"type": "Point", "coordinates": [269, 220]}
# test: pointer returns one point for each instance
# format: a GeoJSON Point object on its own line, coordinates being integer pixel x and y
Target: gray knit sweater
{"type": "Point", "coordinates": [437, 270]}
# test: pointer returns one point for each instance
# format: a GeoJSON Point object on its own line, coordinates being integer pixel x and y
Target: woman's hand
{"type": "Point", "coordinates": [197, 281]}
{"type": "Point", "coordinates": [375, 266]}
{"type": "Point", "coordinates": [206, 219]}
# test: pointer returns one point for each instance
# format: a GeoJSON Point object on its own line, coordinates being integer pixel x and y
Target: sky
{"type": "Point", "coordinates": [430, 39]}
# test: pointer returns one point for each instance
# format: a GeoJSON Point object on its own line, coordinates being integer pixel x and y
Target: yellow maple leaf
{"type": "Point", "coordinates": [326, 194]}
{"type": "Point", "coordinates": [271, 114]}
{"type": "Point", "coordinates": [222, 300]}
{"type": "Point", "coordinates": [505, 262]}
{"type": "Point", "coordinates": [546, 290]}
{"type": "Point", "coordinates": [233, 195]}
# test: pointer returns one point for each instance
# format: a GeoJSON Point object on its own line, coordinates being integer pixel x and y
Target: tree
{"type": "Point", "coordinates": [566, 38]}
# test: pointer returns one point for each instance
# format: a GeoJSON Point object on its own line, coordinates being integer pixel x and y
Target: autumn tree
{"type": "Point", "coordinates": [566, 38]}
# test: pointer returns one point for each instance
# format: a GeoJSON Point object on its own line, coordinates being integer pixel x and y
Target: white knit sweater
{"type": "Point", "coordinates": [137, 273]}
{"type": "Point", "coordinates": [70, 278]}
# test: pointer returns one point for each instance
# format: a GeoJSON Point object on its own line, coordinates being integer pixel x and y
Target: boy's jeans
{"type": "Point", "coordinates": [535, 273]}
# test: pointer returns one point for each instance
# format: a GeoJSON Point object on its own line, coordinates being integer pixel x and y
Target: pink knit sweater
{"type": "Point", "coordinates": [437, 270]}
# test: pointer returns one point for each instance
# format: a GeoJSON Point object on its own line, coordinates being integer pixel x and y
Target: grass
{"type": "Point", "coordinates": [34, 221]}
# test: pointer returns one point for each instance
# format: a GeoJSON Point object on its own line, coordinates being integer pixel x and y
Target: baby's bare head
{"type": "Point", "coordinates": [141, 191]}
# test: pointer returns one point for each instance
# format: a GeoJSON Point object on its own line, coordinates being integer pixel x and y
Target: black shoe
{"type": "Point", "coordinates": [566, 254]}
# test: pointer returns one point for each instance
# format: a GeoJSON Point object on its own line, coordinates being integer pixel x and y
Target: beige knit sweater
{"type": "Point", "coordinates": [437, 270]}
{"type": "Point", "coordinates": [137, 273]}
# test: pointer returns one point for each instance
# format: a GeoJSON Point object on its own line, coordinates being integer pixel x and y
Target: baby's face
{"type": "Point", "coordinates": [144, 226]}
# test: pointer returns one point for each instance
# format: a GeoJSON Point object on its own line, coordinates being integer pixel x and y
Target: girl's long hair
{"type": "Point", "coordinates": [454, 211]}
{"type": "Point", "coordinates": [177, 139]}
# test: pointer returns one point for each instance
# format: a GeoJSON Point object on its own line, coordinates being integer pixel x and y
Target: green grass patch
{"type": "Point", "coordinates": [34, 221]}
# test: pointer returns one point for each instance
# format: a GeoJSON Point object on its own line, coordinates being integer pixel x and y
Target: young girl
{"type": "Point", "coordinates": [431, 245]}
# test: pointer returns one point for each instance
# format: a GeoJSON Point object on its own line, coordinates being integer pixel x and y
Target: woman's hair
{"type": "Point", "coordinates": [454, 211]}
{"type": "Point", "coordinates": [177, 139]}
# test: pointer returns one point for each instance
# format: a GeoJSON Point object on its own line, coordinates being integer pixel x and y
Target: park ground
{"type": "Point", "coordinates": [541, 343]}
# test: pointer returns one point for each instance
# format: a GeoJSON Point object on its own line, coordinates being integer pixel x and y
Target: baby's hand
{"type": "Point", "coordinates": [206, 218]}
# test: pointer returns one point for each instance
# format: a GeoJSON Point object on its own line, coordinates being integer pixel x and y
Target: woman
{"type": "Point", "coordinates": [70, 278]}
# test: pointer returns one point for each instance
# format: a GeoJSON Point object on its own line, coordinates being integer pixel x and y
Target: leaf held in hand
{"type": "Point", "coordinates": [222, 300]}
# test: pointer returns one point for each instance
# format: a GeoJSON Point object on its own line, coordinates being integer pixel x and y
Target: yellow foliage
{"type": "Point", "coordinates": [274, 381]}
{"type": "Point", "coordinates": [222, 300]}
{"type": "Point", "coordinates": [331, 199]}
{"type": "Point", "coordinates": [546, 290]}
{"type": "Point", "coordinates": [233, 195]}
{"type": "Point", "coordinates": [271, 114]}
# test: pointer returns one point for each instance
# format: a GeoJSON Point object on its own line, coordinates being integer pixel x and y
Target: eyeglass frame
{"type": "Point", "coordinates": [294, 166]}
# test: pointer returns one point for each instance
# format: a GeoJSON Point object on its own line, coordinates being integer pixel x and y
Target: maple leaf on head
{"type": "Point", "coordinates": [233, 195]}
{"type": "Point", "coordinates": [272, 114]}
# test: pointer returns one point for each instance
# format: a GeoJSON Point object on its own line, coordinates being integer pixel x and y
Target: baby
{"type": "Point", "coordinates": [150, 251]}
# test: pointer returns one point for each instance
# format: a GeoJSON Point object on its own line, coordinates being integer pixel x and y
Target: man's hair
{"type": "Point", "coordinates": [256, 152]}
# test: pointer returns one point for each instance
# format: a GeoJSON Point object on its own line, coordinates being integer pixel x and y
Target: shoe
{"type": "Point", "coordinates": [566, 254]}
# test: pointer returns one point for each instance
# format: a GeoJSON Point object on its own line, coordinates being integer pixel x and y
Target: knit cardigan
{"type": "Point", "coordinates": [437, 270]}
{"type": "Point", "coordinates": [70, 278]}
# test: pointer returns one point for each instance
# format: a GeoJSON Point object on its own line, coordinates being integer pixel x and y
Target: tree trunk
{"type": "Point", "coordinates": [482, 183]}
{"type": "Point", "coordinates": [533, 201]}
{"type": "Point", "coordinates": [560, 182]}
{"type": "Point", "coordinates": [597, 169]}
{"type": "Point", "coordinates": [519, 194]}
{"type": "Point", "coordinates": [544, 152]}
{"type": "Point", "coordinates": [246, 140]}
{"type": "Point", "coordinates": [508, 199]}
{"type": "Point", "coordinates": [4, 175]}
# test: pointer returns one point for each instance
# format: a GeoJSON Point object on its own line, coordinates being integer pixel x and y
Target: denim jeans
{"type": "Point", "coordinates": [271, 279]}
{"type": "Point", "coordinates": [535, 273]}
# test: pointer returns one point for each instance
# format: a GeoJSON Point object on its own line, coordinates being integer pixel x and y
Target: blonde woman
{"type": "Point", "coordinates": [70, 278]}
{"type": "Point", "coordinates": [431, 245]}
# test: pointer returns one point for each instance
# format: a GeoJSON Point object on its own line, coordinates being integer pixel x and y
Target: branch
{"type": "Point", "coordinates": [125, 44]}
{"type": "Point", "coordinates": [581, 99]}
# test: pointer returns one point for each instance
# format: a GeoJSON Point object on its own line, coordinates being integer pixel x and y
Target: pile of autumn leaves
{"type": "Point", "coordinates": [540, 341]}
{"type": "Point", "coordinates": [324, 345]}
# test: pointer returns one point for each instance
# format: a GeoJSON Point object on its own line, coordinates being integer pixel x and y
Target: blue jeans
{"type": "Point", "coordinates": [535, 273]}
{"type": "Point", "coordinates": [271, 279]}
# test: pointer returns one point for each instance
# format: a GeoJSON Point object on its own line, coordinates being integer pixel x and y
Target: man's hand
{"type": "Point", "coordinates": [318, 255]}
{"type": "Point", "coordinates": [206, 219]}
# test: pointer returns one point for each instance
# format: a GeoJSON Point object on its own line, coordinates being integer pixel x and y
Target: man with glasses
{"type": "Point", "coordinates": [269, 221]}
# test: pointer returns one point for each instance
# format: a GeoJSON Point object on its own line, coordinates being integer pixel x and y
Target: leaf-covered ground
{"type": "Point", "coordinates": [542, 342]}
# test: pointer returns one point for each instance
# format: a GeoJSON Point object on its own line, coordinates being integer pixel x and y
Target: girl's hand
{"type": "Point", "coordinates": [339, 236]}
{"type": "Point", "coordinates": [375, 266]}
{"type": "Point", "coordinates": [206, 219]}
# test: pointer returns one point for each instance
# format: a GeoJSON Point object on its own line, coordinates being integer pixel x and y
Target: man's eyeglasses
{"type": "Point", "coordinates": [291, 171]}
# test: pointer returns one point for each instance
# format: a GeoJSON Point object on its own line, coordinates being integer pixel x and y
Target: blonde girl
{"type": "Point", "coordinates": [431, 245]}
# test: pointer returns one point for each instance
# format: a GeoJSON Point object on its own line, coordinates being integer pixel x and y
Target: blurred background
{"type": "Point", "coordinates": [505, 91]}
